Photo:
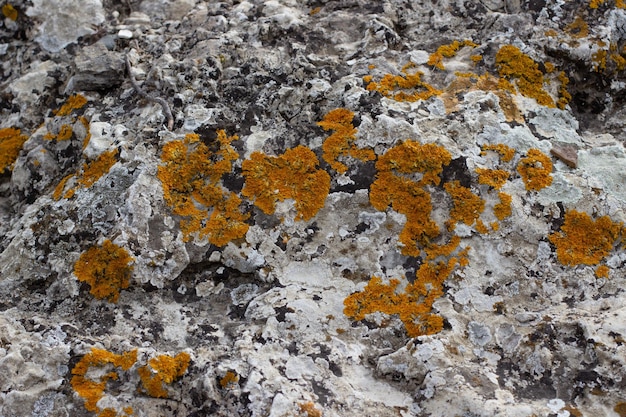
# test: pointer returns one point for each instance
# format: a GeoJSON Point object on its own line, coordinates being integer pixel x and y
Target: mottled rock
{"type": "Point", "coordinates": [389, 208]}
{"type": "Point", "coordinates": [97, 68]}
{"type": "Point", "coordinates": [62, 23]}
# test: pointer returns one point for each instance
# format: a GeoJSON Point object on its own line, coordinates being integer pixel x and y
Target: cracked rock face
{"type": "Point", "coordinates": [362, 208]}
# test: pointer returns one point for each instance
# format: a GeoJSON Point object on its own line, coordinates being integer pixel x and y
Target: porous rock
{"type": "Point", "coordinates": [362, 208]}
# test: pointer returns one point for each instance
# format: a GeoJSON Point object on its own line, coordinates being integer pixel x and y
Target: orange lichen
{"type": "Point", "coordinates": [602, 271]}
{"type": "Point", "coordinates": [564, 95]}
{"type": "Point", "coordinates": [583, 240]}
{"type": "Point", "coordinates": [513, 64]}
{"type": "Point", "coordinates": [506, 152]}
{"type": "Point", "coordinates": [229, 380]}
{"type": "Point", "coordinates": [502, 210]}
{"type": "Point", "coordinates": [447, 51]}
{"type": "Point", "coordinates": [536, 170]}
{"type": "Point", "coordinates": [578, 28]}
{"type": "Point", "coordinates": [407, 196]}
{"type": "Point", "coordinates": [485, 82]}
{"type": "Point", "coordinates": [599, 60]}
{"type": "Point", "coordinates": [190, 175]}
{"type": "Point", "coordinates": [412, 157]}
{"type": "Point", "coordinates": [434, 251]}
{"type": "Point", "coordinates": [92, 391]}
{"type": "Point", "coordinates": [92, 171]}
{"type": "Point", "coordinates": [620, 409]}
{"type": "Point", "coordinates": [467, 206]}
{"type": "Point", "coordinates": [11, 141]}
{"type": "Point", "coordinates": [85, 123]}
{"type": "Point", "coordinates": [9, 12]}
{"type": "Point", "coordinates": [481, 227]}
{"type": "Point", "coordinates": [341, 142]}
{"type": "Point", "coordinates": [411, 306]}
{"type": "Point", "coordinates": [414, 305]}
{"type": "Point", "coordinates": [407, 87]}
{"type": "Point", "coordinates": [106, 269]}
{"type": "Point", "coordinates": [65, 133]}
{"type": "Point", "coordinates": [308, 409]}
{"type": "Point", "coordinates": [495, 178]}
{"type": "Point", "coordinates": [163, 369]}
{"type": "Point", "coordinates": [58, 190]}
{"type": "Point", "coordinates": [594, 4]}
{"type": "Point", "coordinates": [619, 60]}
{"type": "Point", "coordinates": [292, 175]}
{"type": "Point", "coordinates": [74, 102]}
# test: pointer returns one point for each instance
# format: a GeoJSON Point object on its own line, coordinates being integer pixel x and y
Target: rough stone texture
{"type": "Point", "coordinates": [264, 317]}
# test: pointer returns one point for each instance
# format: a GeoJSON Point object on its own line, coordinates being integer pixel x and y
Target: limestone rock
{"type": "Point", "coordinates": [391, 208]}
{"type": "Point", "coordinates": [96, 69]}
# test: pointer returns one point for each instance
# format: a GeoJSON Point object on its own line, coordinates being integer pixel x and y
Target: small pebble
{"type": "Point", "coordinates": [125, 34]}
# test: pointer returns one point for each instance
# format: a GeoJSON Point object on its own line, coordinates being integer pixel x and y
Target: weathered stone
{"type": "Point", "coordinates": [362, 208]}
{"type": "Point", "coordinates": [97, 68]}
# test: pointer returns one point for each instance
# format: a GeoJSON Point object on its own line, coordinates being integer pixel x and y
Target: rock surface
{"type": "Point", "coordinates": [363, 208]}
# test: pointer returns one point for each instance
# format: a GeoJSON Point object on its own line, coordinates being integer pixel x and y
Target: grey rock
{"type": "Point", "coordinates": [97, 68]}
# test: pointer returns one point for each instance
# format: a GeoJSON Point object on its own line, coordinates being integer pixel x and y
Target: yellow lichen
{"type": "Point", "coordinates": [9, 12]}
{"type": "Point", "coordinates": [92, 171]}
{"type": "Point", "coordinates": [341, 142]}
{"type": "Point", "coordinates": [502, 210]}
{"type": "Point", "coordinates": [536, 170]}
{"type": "Point", "coordinates": [411, 305]}
{"type": "Point", "coordinates": [293, 175]}
{"type": "Point", "coordinates": [602, 271]}
{"type": "Point", "coordinates": [506, 152]}
{"type": "Point", "coordinates": [481, 227]}
{"type": "Point", "coordinates": [406, 195]}
{"type": "Point", "coordinates": [414, 305]}
{"type": "Point", "coordinates": [229, 380]}
{"type": "Point", "coordinates": [92, 391]}
{"type": "Point", "coordinates": [163, 369]}
{"type": "Point", "coordinates": [65, 133]}
{"type": "Point", "coordinates": [495, 178]}
{"type": "Point", "coordinates": [58, 190]}
{"type": "Point", "coordinates": [407, 87]}
{"type": "Point", "coordinates": [308, 409]}
{"type": "Point", "coordinates": [594, 4]}
{"type": "Point", "coordinates": [11, 141]}
{"type": "Point", "coordinates": [467, 206]}
{"type": "Point", "coordinates": [599, 60]}
{"type": "Point", "coordinates": [74, 102]}
{"type": "Point", "coordinates": [435, 251]}
{"type": "Point", "coordinates": [620, 408]}
{"type": "Point", "coordinates": [583, 240]}
{"type": "Point", "coordinates": [447, 51]}
{"type": "Point", "coordinates": [513, 64]}
{"type": "Point", "coordinates": [106, 269]}
{"type": "Point", "coordinates": [564, 95]}
{"type": "Point", "coordinates": [85, 123]}
{"type": "Point", "coordinates": [578, 28]}
{"type": "Point", "coordinates": [485, 82]}
{"type": "Point", "coordinates": [190, 174]}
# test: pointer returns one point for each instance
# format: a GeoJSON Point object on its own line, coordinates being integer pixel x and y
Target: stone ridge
{"type": "Point", "coordinates": [355, 208]}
